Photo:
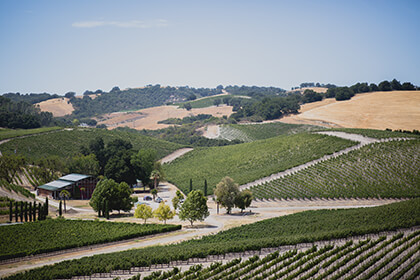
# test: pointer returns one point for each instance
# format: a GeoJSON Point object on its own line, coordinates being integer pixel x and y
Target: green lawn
{"type": "Point", "coordinates": [249, 161]}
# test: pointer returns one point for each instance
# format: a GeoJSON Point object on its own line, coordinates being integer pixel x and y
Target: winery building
{"type": "Point", "coordinates": [78, 185]}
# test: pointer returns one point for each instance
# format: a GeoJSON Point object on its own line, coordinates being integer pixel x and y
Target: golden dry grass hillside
{"type": "Point", "coordinates": [376, 110]}
{"type": "Point", "coordinates": [316, 89]}
{"type": "Point", "coordinates": [148, 118]}
{"type": "Point", "coordinates": [58, 106]}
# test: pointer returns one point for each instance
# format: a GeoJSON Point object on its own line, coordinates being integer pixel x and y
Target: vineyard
{"type": "Point", "coordinates": [68, 143]}
{"type": "Point", "coordinates": [58, 234]}
{"type": "Point", "coordinates": [304, 227]}
{"type": "Point", "coordinates": [384, 257]}
{"type": "Point", "coordinates": [250, 161]}
{"type": "Point", "coordinates": [12, 133]}
{"type": "Point", "coordinates": [379, 134]}
{"type": "Point", "coordinates": [252, 132]}
{"type": "Point", "coordinates": [384, 170]}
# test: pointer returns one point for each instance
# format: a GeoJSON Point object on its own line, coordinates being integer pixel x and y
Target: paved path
{"type": "Point", "coordinates": [175, 155]}
{"type": "Point", "coordinates": [363, 141]}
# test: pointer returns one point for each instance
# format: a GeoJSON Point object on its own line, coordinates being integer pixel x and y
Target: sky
{"type": "Point", "coordinates": [58, 46]}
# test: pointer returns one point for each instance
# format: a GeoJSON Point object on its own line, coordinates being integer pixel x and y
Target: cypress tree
{"type": "Point", "coordinates": [21, 212]}
{"type": "Point", "coordinates": [46, 207]}
{"type": "Point", "coordinates": [107, 209]}
{"type": "Point", "coordinates": [34, 212]}
{"type": "Point", "coordinates": [26, 211]}
{"type": "Point", "coordinates": [30, 211]}
{"type": "Point", "coordinates": [191, 187]}
{"type": "Point", "coordinates": [39, 212]}
{"type": "Point", "coordinates": [10, 211]}
{"type": "Point", "coordinates": [60, 209]}
{"type": "Point", "coordinates": [205, 187]}
{"type": "Point", "coordinates": [16, 211]}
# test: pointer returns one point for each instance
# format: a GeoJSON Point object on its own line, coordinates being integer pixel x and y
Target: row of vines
{"type": "Point", "coordinates": [385, 170]}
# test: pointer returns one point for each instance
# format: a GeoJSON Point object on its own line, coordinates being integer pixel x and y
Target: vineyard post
{"type": "Point", "coordinates": [10, 211]}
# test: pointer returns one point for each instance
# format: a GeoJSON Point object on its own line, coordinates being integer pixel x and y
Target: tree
{"type": "Point", "coordinates": [226, 192]}
{"type": "Point", "coordinates": [244, 199]}
{"type": "Point", "coordinates": [163, 212]}
{"type": "Point", "coordinates": [205, 187]}
{"type": "Point", "coordinates": [70, 95]}
{"type": "Point", "coordinates": [65, 195]}
{"type": "Point", "coordinates": [117, 195]}
{"type": "Point", "coordinates": [187, 106]}
{"type": "Point", "coordinates": [10, 211]}
{"type": "Point", "coordinates": [60, 209]}
{"type": "Point", "coordinates": [143, 212]}
{"type": "Point", "coordinates": [154, 192]}
{"type": "Point", "coordinates": [84, 164]}
{"type": "Point", "coordinates": [407, 86]}
{"type": "Point", "coordinates": [395, 85]}
{"type": "Point", "coordinates": [194, 208]}
{"type": "Point", "coordinates": [373, 87]}
{"type": "Point", "coordinates": [82, 191]}
{"type": "Point", "coordinates": [10, 165]}
{"type": "Point", "coordinates": [143, 164]}
{"type": "Point", "coordinates": [217, 102]}
{"type": "Point", "coordinates": [191, 185]}
{"type": "Point", "coordinates": [176, 201]}
{"type": "Point", "coordinates": [155, 176]}
{"type": "Point", "coordinates": [384, 86]}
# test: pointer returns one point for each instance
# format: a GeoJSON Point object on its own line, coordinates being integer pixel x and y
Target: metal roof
{"type": "Point", "coordinates": [74, 177]}
{"type": "Point", "coordinates": [55, 185]}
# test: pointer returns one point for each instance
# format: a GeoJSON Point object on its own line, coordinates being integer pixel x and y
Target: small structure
{"type": "Point", "coordinates": [78, 185]}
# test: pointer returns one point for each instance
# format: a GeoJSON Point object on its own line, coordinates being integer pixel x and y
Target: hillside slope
{"type": "Point", "coordinates": [376, 110]}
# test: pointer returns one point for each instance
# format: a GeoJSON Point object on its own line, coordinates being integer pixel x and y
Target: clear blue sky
{"type": "Point", "coordinates": [60, 46]}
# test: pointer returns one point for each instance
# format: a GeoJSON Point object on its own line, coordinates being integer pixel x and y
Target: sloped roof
{"type": "Point", "coordinates": [74, 177]}
{"type": "Point", "coordinates": [55, 185]}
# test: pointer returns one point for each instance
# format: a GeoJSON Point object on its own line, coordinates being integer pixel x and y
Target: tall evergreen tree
{"type": "Point", "coordinates": [205, 187]}
{"type": "Point", "coordinates": [26, 211]}
{"type": "Point", "coordinates": [191, 186]}
{"type": "Point", "coordinates": [21, 211]}
{"type": "Point", "coordinates": [46, 207]}
{"type": "Point", "coordinates": [60, 209]}
{"type": "Point", "coordinates": [16, 211]}
{"type": "Point", "coordinates": [39, 212]}
{"type": "Point", "coordinates": [10, 211]}
{"type": "Point", "coordinates": [34, 212]}
{"type": "Point", "coordinates": [30, 211]}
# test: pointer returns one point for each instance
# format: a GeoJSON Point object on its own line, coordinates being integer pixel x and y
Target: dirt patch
{"type": "Point", "coordinates": [376, 110]}
{"type": "Point", "coordinates": [58, 106]}
{"type": "Point", "coordinates": [148, 118]}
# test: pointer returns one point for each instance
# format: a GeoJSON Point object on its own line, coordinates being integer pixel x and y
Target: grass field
{"type": "Point", "coordinates": [249, 161]}
{"type": "Point", "coordinates": [58, 234]}
{"type": "Point", "coordinates": [306, 226]}
{"type": "Point", "coordinates": [252, 132]}
{"type": "Point", "coordinates": [387, 170]}
{"type": "Point", "coordinates": [6, 133]}
{"type": "Point", "coordinates": [67, 143]}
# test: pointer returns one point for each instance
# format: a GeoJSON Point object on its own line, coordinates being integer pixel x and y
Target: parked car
{"type": "Point", "coordinates": [158, 200]}
{"type": "Point", "coordinates": [147, 198]}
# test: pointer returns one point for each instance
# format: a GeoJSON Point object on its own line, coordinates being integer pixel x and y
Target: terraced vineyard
{"type": "Point", "coordinates": [252, 132]}
{"type": "Point", "coordinates": [290, 230]}
{"type": "Point", "coordinates": [387, 170]}
{"type": "Point", "coordinates": [67, 143]}
{"type": "Point", "coordinates": [386, 257]}
{"type": "Point", "coordinates": [250, 161]}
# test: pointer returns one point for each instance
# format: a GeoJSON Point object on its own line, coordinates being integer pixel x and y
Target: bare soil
{"type": "Point", "coordinates": [148, 118]}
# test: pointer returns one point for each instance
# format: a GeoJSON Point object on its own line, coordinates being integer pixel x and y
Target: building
{"type": "Point", "coordinates": [78, 185]}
